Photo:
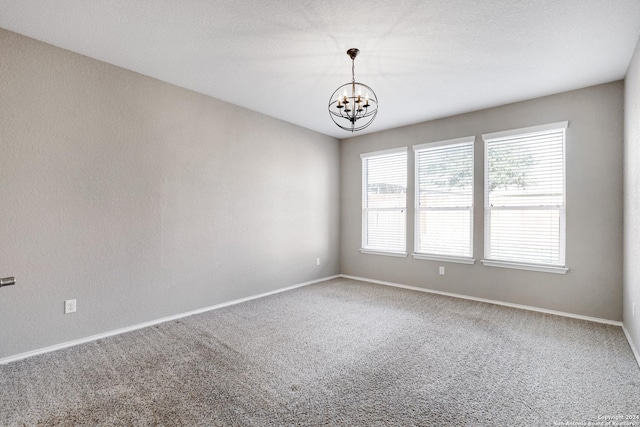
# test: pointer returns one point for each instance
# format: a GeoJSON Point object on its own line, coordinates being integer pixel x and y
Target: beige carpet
{"type": "Point", "coordinates": [338, 353]}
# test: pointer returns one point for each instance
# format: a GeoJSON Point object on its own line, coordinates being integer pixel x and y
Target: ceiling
{"type": "Point", "coordinates": [425, 59]}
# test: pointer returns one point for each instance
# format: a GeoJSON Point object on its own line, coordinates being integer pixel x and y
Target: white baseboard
{"type": "Point", "coordinates": [631, 344]}
{"type": "Point", "coordinates": [96, 337]}
{"type": "Point", "coordinates": [72, 343]}
{"type": "Point", "coordinates": [489, 301]}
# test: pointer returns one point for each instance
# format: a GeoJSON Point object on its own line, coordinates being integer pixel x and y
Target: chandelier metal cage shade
{"type": "Point", "coordinates": [353, 106]}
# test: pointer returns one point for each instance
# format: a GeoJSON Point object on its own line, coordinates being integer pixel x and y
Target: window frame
{"type": "Point", "coordinates": [418, 209]}
{"type": "Point", "coordinates": [560, 268]}
{"type": "Point", "coordinates": [365, 210]}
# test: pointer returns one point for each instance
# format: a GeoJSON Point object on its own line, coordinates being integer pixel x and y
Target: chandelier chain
{"type": "Point", "coordinates": [353, 70]}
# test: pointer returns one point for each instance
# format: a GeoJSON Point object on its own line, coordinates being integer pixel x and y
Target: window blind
{"type": "Point", "coordinates": [525, 196]}
{"type": "Point", "coordinates": [444, 198]}
{"type": "Point", "coordinates": [384, 197]}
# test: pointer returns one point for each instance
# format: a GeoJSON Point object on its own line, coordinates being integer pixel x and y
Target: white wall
{"type": "Point", "coordinates": [632, 199]}
{"type": "Point", "coordinates": [593, 285]}
{"type": "Point", "coordinates": [143, 200]}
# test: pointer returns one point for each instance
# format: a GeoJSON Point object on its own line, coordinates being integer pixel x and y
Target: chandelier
{"type": "Point", "coordinates": [353, 106]}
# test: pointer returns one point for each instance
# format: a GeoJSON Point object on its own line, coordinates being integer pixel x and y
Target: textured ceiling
{"type": "Point", "coordinates": [425, 59]}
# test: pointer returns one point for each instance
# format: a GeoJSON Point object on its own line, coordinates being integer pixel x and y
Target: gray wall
{"type": "Point", "coordinates": [143, 200]}
{"type": "Point", "coordinates": [632, 199]}
{"type": "Point", "coordinates": [593, 285]}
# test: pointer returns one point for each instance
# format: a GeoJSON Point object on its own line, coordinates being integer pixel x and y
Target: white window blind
{"type": "Point", "coordinates": [444, 198]}
{"type": "Point", "coordinates": [384, 201]}
{"type": "Point", "coordinates": [525, 195]}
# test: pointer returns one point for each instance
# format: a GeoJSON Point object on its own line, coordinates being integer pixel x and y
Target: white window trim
{"type": "Point", "coordinates": [558, 269]}
{"type": "Point", "coordinates": [443, 258]}
{"type": "Point", "coordinates": [385, 253]}
{"type": "Point", "coordinates": [454, 141]}
{"type": "Point", "coordinates": [526, 131]}
{"type": "Point", "coordinates": [416, 211]}
{"type": "Point", "coordinates": [523, 266]}
{"type": "Point", "coordinates": [363, 220]}
{"type": "Point", "coordinates": [383, 152]}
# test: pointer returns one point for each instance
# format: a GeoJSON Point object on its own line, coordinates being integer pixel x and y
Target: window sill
{"type": "Point", "coordinates": [530, 267]}
{"type": "Point", "coordinates": [374, 252]}
{"type": "Point", "coordinates": [459, 260]}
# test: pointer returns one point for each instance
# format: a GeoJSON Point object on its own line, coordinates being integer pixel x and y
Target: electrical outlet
{"type": "Point", "coordinates": [441, 270]}
{"type": "Point", "coordinates": [69, 306]}
{"type": "Point", "coordinates": [317, 261]}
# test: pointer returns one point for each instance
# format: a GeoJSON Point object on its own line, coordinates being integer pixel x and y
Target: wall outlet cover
{"type": "Point", "coordinates": [70, 306]}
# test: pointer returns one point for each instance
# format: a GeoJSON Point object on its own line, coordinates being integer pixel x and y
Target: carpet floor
{"type": "Point", "coordinates": [337, 353]}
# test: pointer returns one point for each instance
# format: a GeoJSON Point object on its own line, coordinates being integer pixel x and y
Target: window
{"type": "Point", "coordinates": [444, 200]}
{"type": "Point", "coordinates": [384, 202]}
{"type": "Point", "coordinates": [525, 198]}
